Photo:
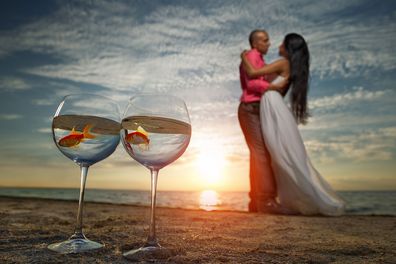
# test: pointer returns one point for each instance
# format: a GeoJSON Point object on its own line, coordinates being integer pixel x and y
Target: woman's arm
{"type": "Point", "coordinates": [275, 67]}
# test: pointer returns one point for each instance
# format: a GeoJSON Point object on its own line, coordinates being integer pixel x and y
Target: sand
{"type": "Point", "coordinates": [27, 226]}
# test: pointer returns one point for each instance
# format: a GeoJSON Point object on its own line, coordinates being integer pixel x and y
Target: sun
{"type": "Point", "coordinates": [211, 164]}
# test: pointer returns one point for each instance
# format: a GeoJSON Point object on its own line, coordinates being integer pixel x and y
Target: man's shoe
{"type": "Point", "coordinates": [272, 207]}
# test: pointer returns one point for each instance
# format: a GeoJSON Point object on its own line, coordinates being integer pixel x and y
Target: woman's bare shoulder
{"type": "Point", "coordinates": [281, 61]}
{"type": "Point", "coordinates": [281, 65]}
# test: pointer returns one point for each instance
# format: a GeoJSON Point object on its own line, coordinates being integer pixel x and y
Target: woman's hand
{"type": "Point", "coordinates": [280, 87]}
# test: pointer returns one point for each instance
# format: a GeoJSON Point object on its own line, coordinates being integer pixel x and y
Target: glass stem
{"type": "Point", "coordinates": [78, 233]}
{"type": "Point", "coordinates": [152, 239]}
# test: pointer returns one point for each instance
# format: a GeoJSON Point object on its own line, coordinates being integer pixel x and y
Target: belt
{"type": "Point", "coordinates": [251, 103]}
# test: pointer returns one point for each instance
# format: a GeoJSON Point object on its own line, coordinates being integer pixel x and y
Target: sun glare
{"type": "Point", "coordinates": [211, 163]}
{"type": "Point", "coordinates": [209, 200]}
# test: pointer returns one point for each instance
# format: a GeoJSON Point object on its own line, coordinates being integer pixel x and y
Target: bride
{"type": "Point", "coordinates": [301, 188]}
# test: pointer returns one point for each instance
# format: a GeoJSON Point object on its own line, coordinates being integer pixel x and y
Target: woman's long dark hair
{"type": "Point", "coordinates": [298, 55]}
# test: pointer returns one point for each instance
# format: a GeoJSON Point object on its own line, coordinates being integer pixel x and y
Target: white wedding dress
{"type": "Point", "coordinates": [300, 186]}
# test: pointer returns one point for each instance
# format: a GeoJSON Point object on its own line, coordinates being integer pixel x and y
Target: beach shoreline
{"type": "Point", "coordinates": [28, 225]}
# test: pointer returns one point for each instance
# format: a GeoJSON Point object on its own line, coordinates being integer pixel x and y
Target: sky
{"type": "Point", "coordinates": [191, 49]}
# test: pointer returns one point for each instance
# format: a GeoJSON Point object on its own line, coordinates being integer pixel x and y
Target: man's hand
{"type": "Point", "coordinates": [243, 54]}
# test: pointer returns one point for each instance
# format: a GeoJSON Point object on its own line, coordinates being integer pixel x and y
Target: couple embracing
{"type": "Point", "coordinates": [282, 177]}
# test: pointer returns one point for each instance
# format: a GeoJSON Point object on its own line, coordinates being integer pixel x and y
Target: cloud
{"type": "Point", "coordinates": [109, 48]}
{"type": "Point", "coordinates": [321, 8]}
{"type": "Point", "coordinates": [328, 123]}
{"type": "Point", "coordinates": [59, 90]}
{"type": "Point", "coordinates": [351, 110]}
{"type": "Point", "coordinates": [358, 95]}
{"type": "Point", "coordinates": [17, 151]}
{"type": "Point", "coordinates": [8, 84]}
{"type": "Point", "coordinates": [42, 102]}
{"type": "Point", "coordinates": [10, 116]}
{"type": "Point", "coordinates": [369, 145]}
{"type": "Point", "coordinates": [191, 49]}
{"type": "Point", "coordinates": [44, 130]}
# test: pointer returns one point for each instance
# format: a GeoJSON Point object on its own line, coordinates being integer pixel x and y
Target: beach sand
{"type": "Point", "coordinates": [27, 226]}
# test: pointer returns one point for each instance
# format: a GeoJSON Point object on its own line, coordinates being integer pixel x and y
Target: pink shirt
{"type": "Point", "coordinates": [252, 89]}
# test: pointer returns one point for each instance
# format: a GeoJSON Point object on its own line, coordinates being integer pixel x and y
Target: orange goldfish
{"type": "Point", "coordinates": [139, 137]}
{"type": "Point", "coordinates": [75, 138]}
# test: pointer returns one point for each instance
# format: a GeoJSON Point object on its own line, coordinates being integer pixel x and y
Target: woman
{"type": "Point", "coordinates": [300, 187]}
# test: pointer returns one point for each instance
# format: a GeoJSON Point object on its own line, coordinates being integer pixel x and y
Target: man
{"type": "Point", "coordinates": [262, 183]}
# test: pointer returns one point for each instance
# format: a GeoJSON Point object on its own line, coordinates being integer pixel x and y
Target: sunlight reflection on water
{"type": "Point", "coordinates": [209, 200]}
{"type": "Point", "coordinates": [358, 202]}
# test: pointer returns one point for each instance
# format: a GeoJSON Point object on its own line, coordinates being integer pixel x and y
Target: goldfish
{"type": "Point", "coordinates": [75, 138]}
{"type": "Point", "coordinates": [138, 137]}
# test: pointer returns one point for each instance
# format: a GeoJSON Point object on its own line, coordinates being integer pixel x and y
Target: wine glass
{"type": "Point", "coordinates": [86, 129]}
{"type": "Point", "coordinates": [155, 131]}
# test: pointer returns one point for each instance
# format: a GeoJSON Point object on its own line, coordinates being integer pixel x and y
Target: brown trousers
{"type": "Point", "coordinates": [262, 181]}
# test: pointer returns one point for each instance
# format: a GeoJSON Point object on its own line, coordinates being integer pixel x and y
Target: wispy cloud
{"type": "Point", "coordinates": [44, 130]}
{"type": "Point", "coordinates": [109, 50]}
{"type": "Point", "coordinates": [358, 94]}
{"type": "Point", "coordinates": [8, 84]}
{"type": "Point", "coordinates": [42, 102]}
{"type": "Point", "coordinates": [191, 49]}
{"type": "Point", "coordinates": [326, 124]}
{"type": "Point", "coordinates": [350, 110]}
{"type": "Point", "coordinates": [10, 116]}
{"type": "Point", "coordinates": [369, 145]}
{"type": "Point", "coordinates": [339, 48]}
{"type": "Point", "coordinates": [59, 90]}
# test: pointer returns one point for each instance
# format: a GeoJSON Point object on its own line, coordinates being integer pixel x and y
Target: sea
{"type": "Point", "coordinates": [381, 203]}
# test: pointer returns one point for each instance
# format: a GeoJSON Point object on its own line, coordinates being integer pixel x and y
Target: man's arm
{"type": "Point", "coordinates": [281, 87]}
{"type": "Point", "coordinates": [255, 85]}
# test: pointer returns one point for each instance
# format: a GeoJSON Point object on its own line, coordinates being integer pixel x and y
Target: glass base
{"type": "Point", "coordinates": [148, 253]}
{"type": "Point", "coordinates": [76, 245]}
